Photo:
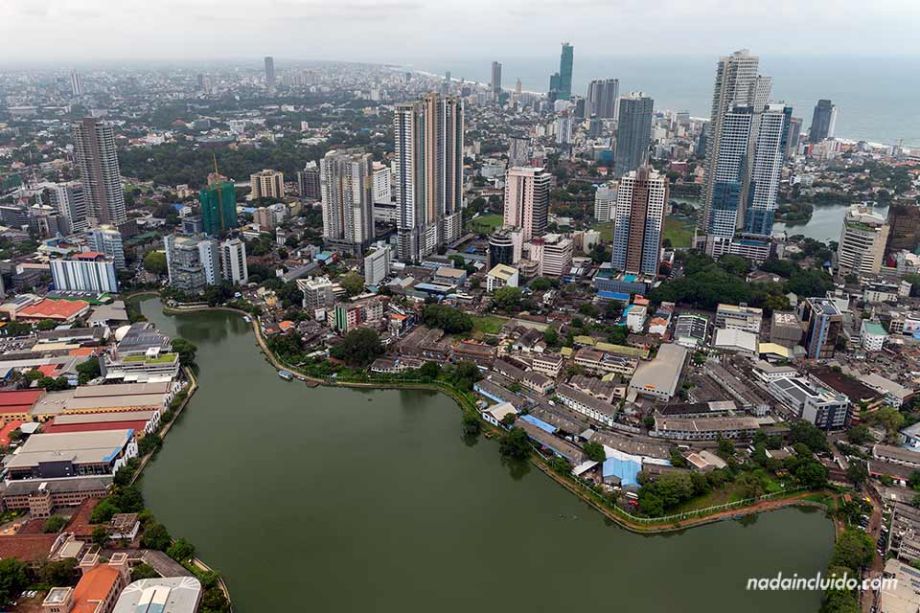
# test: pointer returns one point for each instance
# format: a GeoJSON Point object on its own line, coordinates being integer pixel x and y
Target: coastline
{"type": "Point", "coordinates": [637, 525]}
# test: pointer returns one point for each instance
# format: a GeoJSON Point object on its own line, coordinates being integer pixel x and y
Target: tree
{"type": "Point", "coordinates": [186, 350]}
{"type": "Point", "coordinates": [859, 435]}
{"type": "Point", "coordinates": [54, 524]}
{"type": "Point", "coordinates": [888, 418]}
{"type": "Point", "coordinates": [450, 320]}
{"type": "Point", "coordinates": [514, 444]}
{"type": "Point", "coordinates": [352, 283]}
{"type": "Point", "coordinates": [811, 474]}
{"type": "Point", "coordinates": [359, 348]}
{"type": "Point", "coordinates": [46, 324]}
{"type": "Point", "coordinates": [88, 370]}
{"type": "Point", "coordinates": [854, 549]}
{"type": "Point", "coordinates": [143, 571]}
{"type": "Point", "coordinates": [14, 577]}
{"type": "Point", "coordinates": [155, 262]}
{"type": "Point", "coordinates": [540, 284]}
{"type": "Point", "coordinates": [750, 485]}
{"type": "Point", "coordinates": [100, 536]}
{"type": "Point", "coordinates": [103, 511]}
{"type": "Point", "coordinates": [804, 432]}
{"type": "Point", "coordinates": [53, 385]}
{"type": "Point", "coordinates": [811, 282]}
{"type": "Point", "coordinates": [181, 550]}
{"type": "Point", "coordinates": [594, 451]}
{"type": "Point", "coordinates": [430, 371]}
{"type": "Point", "coordinates": [60, 573]}
{"type": "Point", "coordinates": [551, 336]}
{"type": "Point", "coordinates": [507, 298]}
{"type": "Point", "coordinates": [858, 472]}
{"type": "Point", "coordinates": [156, 536]}
{"type": "Point", "coordinates": [471, 424]}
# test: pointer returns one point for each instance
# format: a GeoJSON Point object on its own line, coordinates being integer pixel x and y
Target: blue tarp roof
{"type": "Point", "coordinates": [607, 295]}
{"type": "Point", "coordinates": [626, 470]}
{"type": "Point", "coordinates": [539, 423]}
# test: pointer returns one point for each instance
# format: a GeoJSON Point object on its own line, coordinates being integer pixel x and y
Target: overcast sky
{"type": "Point", "coordinates": [72, 31]}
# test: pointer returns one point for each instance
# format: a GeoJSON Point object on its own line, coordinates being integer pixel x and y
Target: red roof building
{"type": "Point", "coordinates": [16, 405]}
{"type": "Point", "coordinates": [58, 310]}
{"type": "Point", "coordinates": [6, 430]}
{"type": "Point", "coordinates": [138, 426]}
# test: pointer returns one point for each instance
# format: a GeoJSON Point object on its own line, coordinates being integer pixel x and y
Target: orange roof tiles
{"type": "Point", "coordinates": [94, 586]}
{"type": "Point", "coordinates": [54, 309]}
{"type": "Point", "coordinates": [26, 547]}
{"type": "Point", "coordinates": [6, 430]}
{"type": "Point", "coordinates": [80, 352]}
{"type": "Point", "coordinates": [48, 370]}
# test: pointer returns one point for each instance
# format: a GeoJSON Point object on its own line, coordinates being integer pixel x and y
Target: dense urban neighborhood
{"type": "Point", "coordinates": [601, 285]}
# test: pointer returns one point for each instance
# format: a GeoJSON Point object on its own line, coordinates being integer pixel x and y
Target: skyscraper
{"type": "Point", "coordinates": [68, 200]}
{"type": "Point", "coordinates": [429, 174]}
{"type": "Point", "coordinates": [769, 148]}
{"type": "Point", "coordinates": [76, 83]}
{"type": "Point", "coordinates": [346, 182]}
{"type": "Point", "coordinates": [527, 200]}
{"type": "Point", "coordinates": [218, 205]}
{"type": "Point", "coordinates": [793, 134]}
{"type": "Point", "coordinates": [634, 133]}
{"type": "Point", "coordinates": [603, 97]}
{"type": "Point", "coordinates": [519, 151]}
{"type": "Point", "coordinates": [560, 83]}
{"type": "Point", "coordinates": [107, 240]}
{"type": "Point", "coordinates": [496, 78]}
{"type": "Point", "coordinates": [233, 261]}
{"type": "Point", "coordinates": [736, 76]}
{"type": "Point", "coordinates": [862, 242]}
{"type": "Point", "coordinates": [641, 199]}
{"type": "Point", "coordinates": [728, 173]}
{"type": "Point", "coordinates": [269, 71]}
{"type": "Point", "coordinates": [308, 181]}
{"type": "Point", "coordinates": [822, 121]}
{"type": "Point", "coordinates": [94, 150]}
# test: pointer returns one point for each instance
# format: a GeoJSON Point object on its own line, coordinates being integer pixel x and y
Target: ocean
{"type": "Point", "coordinates": [876, 98]}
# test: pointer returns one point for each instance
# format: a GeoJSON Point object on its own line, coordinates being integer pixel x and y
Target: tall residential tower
{"type": "Point", "coordinates": [94, 150]}
{"type": "Point", "coordinates": [346, 182]}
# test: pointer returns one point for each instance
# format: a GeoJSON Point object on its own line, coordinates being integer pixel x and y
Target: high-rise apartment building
{"type": "Point", "coordinates": [769, 148]}
{"type": "Point", "coordinates": [603, 97]}
{"type": "Point", "coordinates": [67, 199]}
{"type": "Point", "coordinates": [429, 174]}
{"type": "Point", "coordinates": [605, 201]}
{"type": "Point", "coordinates": [346, 184]}
{"type": "Point", "coordinates": [218, 205]}
{"type": "Point", "coordinates": [192, 262]}
{"type": "Point", "coordinates": [76, 83]}
{"type": "Point", "coordinates": [735, 85]}
{"type": "Point", "coordinates": [383, 190]}
{"type": "Point", "coordinates": [84, 272]}
{"type": "Point", "coordinates": [267, 184]}
{"type": "Point", "coordinates": [527, 200]}
{"type": "Point", "coordinates": [377, 264]}
{"type": "Point", "coordinates": [233, 261]}
{"type": "Point", "coordinates": [496, 78]}
{"type": "Point", "coordinates": [94, 150]}
{"type": "Point", "coordinates": [862, 242]}
{"type": "Point", "coordinates": [560, 83]}
{"type": "Point", "coordinates": [107, 240]}
{"type": "Point", "coordinates": [793, 135]}
{"type": "Point", "coordinates": [641, 199]}
{"type": "Point", "coordinates": [634, 133]}
{"type": "Point", "coordinates": [823, 324]}
{"type": "Point", "coordinates": [308, 181]}
{"type": "Point", "coordinates": [269, 71]}
{"type": "Point", "coordinates": [519, 151]}
{"type": "Point", "coordinates": [823, 121]}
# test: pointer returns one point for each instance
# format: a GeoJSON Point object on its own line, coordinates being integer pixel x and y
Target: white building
{"type": "Point", "coordinates": [382, 189]}
{"type": "Point", "coordinates": [605, 200]}
{"type": "Point", "coordinates": [107, 240]}
{"type": "Point", "coordinates": [347, 200]}
{"type": "Point", "coordinates": [500, 276]}
{"type": "Point", "coordinates": [734, 317]}
{"type": "Point", "coordinates": [862, 242]}
{"type": "Point", "coordinates": [872, 335]}
{"type": "Point", "coordinates": [84, 272]}
{"type": "Point", "coordinates": [67, 199]}
{"type": "Point", "coordinates": [233, 261]}
{"type": "Point", "coordinates": [527, 200]}
{"type": "Point", "coordinates": [553, 253]}
{"type": "Point", "coordinates": [377, 264]}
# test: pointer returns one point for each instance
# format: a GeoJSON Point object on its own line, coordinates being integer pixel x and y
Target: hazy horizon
{"type": "Point", "coordinates": [390, 31]}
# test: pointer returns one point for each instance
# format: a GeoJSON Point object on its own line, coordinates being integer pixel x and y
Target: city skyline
{"type": "Point", "coordinates": [886, 28]}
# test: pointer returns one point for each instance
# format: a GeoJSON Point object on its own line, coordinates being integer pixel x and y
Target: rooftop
{"type": "Point", "coordinates": [160, 595]}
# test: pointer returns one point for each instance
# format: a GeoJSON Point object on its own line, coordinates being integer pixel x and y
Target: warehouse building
{"type": "Point", "coordinates": [49, 456]}
{"type": "Point", "coordinates": [658, 379]}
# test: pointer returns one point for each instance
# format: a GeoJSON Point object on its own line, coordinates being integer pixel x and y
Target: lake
{"type": "Point", "coordinates": [332, 499]}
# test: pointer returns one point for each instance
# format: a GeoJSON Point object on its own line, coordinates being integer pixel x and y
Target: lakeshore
{"type": "Point", "coordinates": [429, 490]}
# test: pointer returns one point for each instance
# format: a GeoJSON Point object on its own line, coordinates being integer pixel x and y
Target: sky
{"type": "Point", "coordinates": [76, 31]}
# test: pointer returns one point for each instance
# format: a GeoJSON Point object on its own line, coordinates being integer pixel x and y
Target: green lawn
{"type": "Point", "coordinates": [606, 230]}
{"type": "Point", "coordinates": [679, 231]}
{"type": "Point", "coordinates": [488, 324]}
{"type": "Point", "coordinates": [486, 223]}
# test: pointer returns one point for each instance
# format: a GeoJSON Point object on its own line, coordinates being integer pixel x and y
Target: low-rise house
{"type": "Point", "coordinates": [479, 353]}
{"type": "Point", "coordinates": [602, 362]}
{"type": "Point", "coordinates": [704, 429]}
{"type": "Point", "coordinates": [496, 413]}
{"type": "Point", "coordinates": [549, 364]}
{"type": "Point", "coordinates": [593, 408]}
{"type": "Point", "coordinates": [537, 382]}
